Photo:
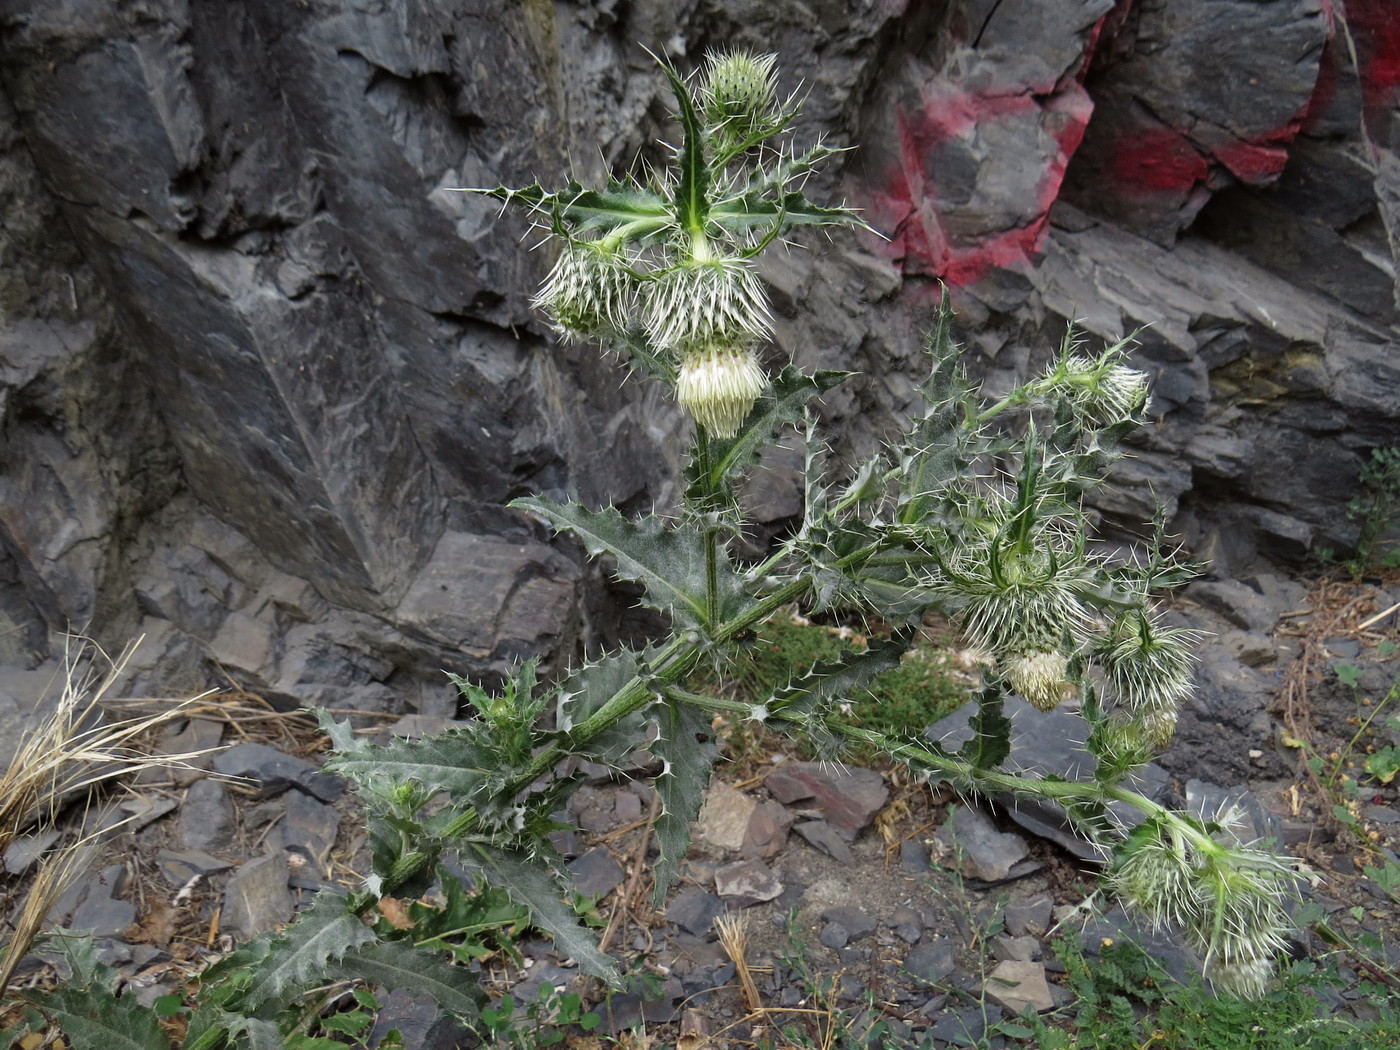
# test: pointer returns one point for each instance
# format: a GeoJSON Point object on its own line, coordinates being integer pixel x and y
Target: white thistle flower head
{"type": "Point", "coordinates": [1102, 392]}
{"type": "Point", "coordinates": [739, 92]}
{"type": "Point", "coordinates": [1157, 726]}
{"type": "Point", "coordinates": [718, 386]}
{"type": "Point", "coordinates": [589, 292]}
{"type": "Point", "coordinates": [1148, 665]}
{"type": "Point", "coordinates": [704, 303]}
{"type": "Point", "coordinates": [1155, 879]}
{"type": "Point", "coordinates": [1040, 678]}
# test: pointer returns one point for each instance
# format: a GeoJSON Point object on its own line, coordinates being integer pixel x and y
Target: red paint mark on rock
{"type": "Point", "coordinates": [930, 235]}
{"type": "Point", "coordinates": [1159, 159]}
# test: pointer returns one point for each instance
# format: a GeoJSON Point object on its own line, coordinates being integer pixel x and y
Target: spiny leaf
{"type": "Point", "coordinates": [452, 761]}
{"type": "Point", "coordinates": [790, 392]}
{"type": "Point", "coordinates": [400, 964]}
{"type": "Point", "coordinates": [990, 743]}
{"type": "Point", "coordinates": [789, 210]}
{"type": "Point", "coordinates": [94, 1017]}
{"type": "Point", "coordinates": [585, 210]}
{"type": "Point", "coordinates": [936, 452]}
{"type": "Point", "coordinates": [211, 1026]}
{"type": "Point", "coordinates": [536, 883]}
{"type": "Point", "coordinates": [811, 697]}
{"type": "Point", "coordinates": [668, 559]}
{"type": "Point", "coordinates": [691, 199]}
{"type": "Point", "coordinates": [591, 686]}
{"type": "Point", "coordinates": [280, 968]}
{"type": "Point", "coordinates": [686, 746]}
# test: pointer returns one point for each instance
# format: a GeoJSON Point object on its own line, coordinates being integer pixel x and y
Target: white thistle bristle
{"type": "Point", "coordinates": [1040, 678]}
{"type": "Point", "coordinates": [718, 387]}
{"type": "Point", "coordinates": [703, 304]}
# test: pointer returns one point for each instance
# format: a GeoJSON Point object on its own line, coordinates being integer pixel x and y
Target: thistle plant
{"type": "Point", "coordinates": [975, 511]}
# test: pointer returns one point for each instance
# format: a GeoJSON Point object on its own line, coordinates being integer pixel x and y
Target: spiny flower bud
{"type": "Point", "coordinates": [1100, 392]}
{"type": "Point", "coordinates": [1024, 617]}
{"type": "Point", "coordinates": [1040, 678]}
{"type": "Point", "coordinates": [718, 386]}
{"type": "Point", "coordinates": [1124, 741]}
{"type": "Point", "coordinates": [1158, 726]}
{"type": "Point", "coordinates": [588, 293]}
{"type": "Point", "coordinates": [739, 93]}
{"type": "Point", "coordinates": [1148, 665]}
{"type": "Point", "coordinates": [1238, 920]}
{"type": "Point", "coordinates": [706, 303]}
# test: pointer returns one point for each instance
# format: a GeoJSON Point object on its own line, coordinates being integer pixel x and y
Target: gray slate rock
{"type": "Point", "coordinates": [694, 910]}
{"type": "Point", "coordinates": [308, 826]}
{"type": "Point", "coordinates": [596, 873]}
{"type": "Point", "coordinates": [256, 898]}
{"type": "Point", "coordinates": [931, 961]}
{"type": "Point", "coordinates": [1029, 915]}
{"type": "Point", "coordinates": [856, 922]}
{"type": "Point", "coordinates": [206, 818]}
{"type": "Point", "coordinates": [102, 913]}
{"type": "Point", "coordinates": [26, 849]}
{"type": "Point", "coordinates": [826, 838]}
{"type": "Point", "coordinates": [849, 798]}
{"type": "Point", "coordinates": [179, 867]}
{"type": "Point", "coordinates": [978, 849]}
{"type": "Point", "coordinates": [270, 772]}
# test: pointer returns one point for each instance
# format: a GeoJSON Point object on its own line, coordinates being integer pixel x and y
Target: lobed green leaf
{"type": "Point", "coordinates": [686, 746]}
{"type": "Point", "coordinates": [402, 965]}
{"type": "Point", "coordinates": [668, 558]}
{"type": "Point", "coordinates": [272, 972]}
{"type": "Point", "coordinates": [540, 885]}
{"type": "Point", "coordinates": [94, 1017]}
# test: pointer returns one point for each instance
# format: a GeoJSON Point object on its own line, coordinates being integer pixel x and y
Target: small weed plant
{"type": "Point", "coordinates": [1124, 1000]}
{"type": "Point", "coordinates": [1377, 512]}
{"type": "Point", "coordinates": [975, 512]}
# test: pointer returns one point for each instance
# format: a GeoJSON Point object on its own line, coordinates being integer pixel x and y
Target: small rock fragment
{"type": "Point", "coordinates": [767, 832]}
{"type": "Point", "coordinates": [857, 923]}
{"type": "Point", "coordinates": [931, 961]}
{"type": "Point", "coordinates": [824, 837]}
{"type": "Point", "coordinates": [747, 882]}
{"type": "Point", "coordinates": [977, 848]}
{"type": "Point", "coordinates": [1029, 915]}
{"type": "Point", "coordinates": [849, 798]}
{"type": "Point", "coordinates": [206, 816]}
{"type": "Point", "coordinates": [724, 818]}
{"type": "Point", "coordinates": [694, 910]}
{"type": "Point", "coordinates": [256, 898]}
{"type": "Point", "coordinates": [179, 867]}
{"type": "Point", "coordinates": [596, 873]}
{"type": "Point", "coordinates": [907, 925]}
{"type": "Point", "coordinates": [1019, 984]}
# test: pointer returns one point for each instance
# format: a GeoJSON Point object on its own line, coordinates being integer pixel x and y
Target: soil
{"type": "Point", "coordinates": [787, 953]}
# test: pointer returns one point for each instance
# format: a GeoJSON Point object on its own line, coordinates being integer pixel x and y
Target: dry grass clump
{"type": "Point", "coordinates": [76, 749]}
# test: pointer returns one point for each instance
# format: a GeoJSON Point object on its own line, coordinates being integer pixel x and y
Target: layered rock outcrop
{"type": "Point", "coordinates": [267, 381]}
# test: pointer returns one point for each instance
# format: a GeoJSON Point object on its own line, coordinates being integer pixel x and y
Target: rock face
{"type": "Point", "coordinates": [266, 381]}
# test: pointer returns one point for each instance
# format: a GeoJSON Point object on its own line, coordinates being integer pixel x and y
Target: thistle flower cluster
{"type": "Point", "coordinates": [1227, 900]}
{"type": "Point", "coordinates": [659, 272]}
